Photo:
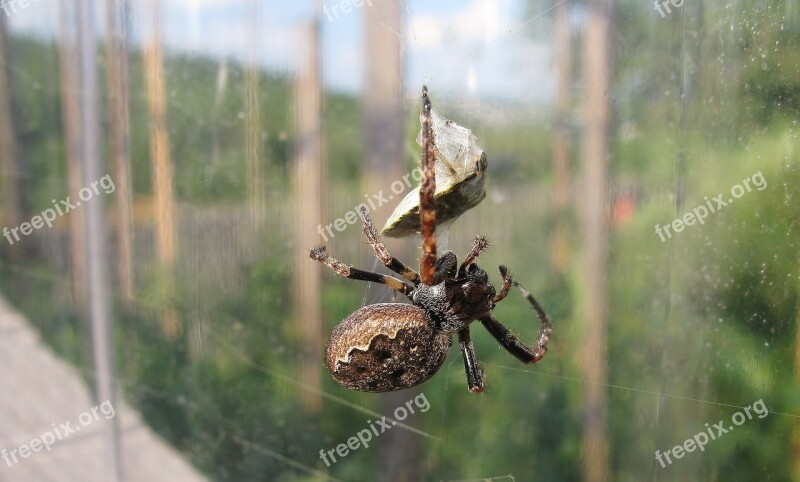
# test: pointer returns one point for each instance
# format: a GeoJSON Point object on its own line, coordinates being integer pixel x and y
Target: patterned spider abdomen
{"type": "Point", "coordinates": [385, 347]}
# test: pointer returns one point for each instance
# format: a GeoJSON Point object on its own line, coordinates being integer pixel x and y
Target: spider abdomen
{"type": "Point", "coordinates": [385, 347]}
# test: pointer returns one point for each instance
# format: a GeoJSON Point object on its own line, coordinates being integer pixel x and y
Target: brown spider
{"type": "Point", "coordinates": [392, 346]}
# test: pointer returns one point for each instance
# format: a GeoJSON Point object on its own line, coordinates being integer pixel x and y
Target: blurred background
{"type": "Point", "coordinates": [234, 132]}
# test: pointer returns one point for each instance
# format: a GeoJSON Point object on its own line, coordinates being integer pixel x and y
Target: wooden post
{"type": "Point", "coordinates": [166, 238]}
{"type": "Point", "coordinates": [561, 149]}
{"type": "Point", "coordinates": [219, 95]}
{"type": "Point", "coordinates": [9, 167]}
{"type": "Point", "coordinates": [594, 309]}
{"type": "Point", "coordinates": [384, 162]}
{"type": "Point", "coordinates": [307, 172]}
{"type": "Point", "coordinates": [252, 108]}
{"type": "Point", "coordinates": [71, 118]}
{"type": "Point", "coordinates": [382, 97]}
{"type": "Point", "coordinates": [117, 89]}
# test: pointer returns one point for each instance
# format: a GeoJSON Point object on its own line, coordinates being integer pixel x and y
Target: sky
{"type": "Point", "coordinates": [481, 49]}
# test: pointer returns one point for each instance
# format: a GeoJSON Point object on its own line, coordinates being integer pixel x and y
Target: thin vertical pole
{"type": "Point", "coordinates": [96, 237]}
{"type": "Point", "coordinates": [253, 125]}
{"type": "Point", "coordinates": [9, 167]}
{"type": "Point", "coordinates": [308, 190]}
{"type": "Point", "coordinates": [71, 119]}
{"type": "Point", "coordinates": [594, 310]}
{"type": "Point", "coordinates": [561, 147]}
{"type": "Point", "coordinates": [117, 88]}
{"type": "Point", "coordinates": [384, 161]}
{"type": "Point", "coordinates": [166, 232]}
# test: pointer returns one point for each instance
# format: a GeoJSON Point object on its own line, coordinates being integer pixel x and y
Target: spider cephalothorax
{"type": "Point", "coordinates": [391, 346]}
{"type": "Point", "coordinates": [459, 297]}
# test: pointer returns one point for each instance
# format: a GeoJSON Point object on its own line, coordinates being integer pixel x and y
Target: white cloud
{"type": "Point", "coordinates": [468, 51]}
{"type": "Point", "coordinates": [425, 31]}
{"type": "Point", "coordinates": [201, 4]}
{"type": "Point", "coordinates": [478, 22]}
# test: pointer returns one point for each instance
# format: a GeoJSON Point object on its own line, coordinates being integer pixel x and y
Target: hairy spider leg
{"type": "Point", "coordinates": [507, 282]}
{"type": "Point", "coordinates": [473, 370]}
{"type": "Point", "coordinates": [318, 253]}
{"type": "Point", "coordinates": [511, 343]}
{"type": "Point", "coordinates": [427, 202]}
{"type": "Point", "coordinates": [382, 253]}
{"type": "Point", "coordinates": [479, 245]}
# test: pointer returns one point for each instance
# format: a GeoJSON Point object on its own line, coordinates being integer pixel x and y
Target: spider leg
{"type": "Point", "coordinates": [318, 253]}
{"type": "Point", "coordinates": [507, 282]}
{"type": "Point", "coordinates": [427, 202]}
{"type": "Point", "coordinates": [382, 253]}
{"type": "Point", "coordinates": [511, 343]}
{"type": "Point", "coordinates": [474, 372]}
{"type": "Point", "coordinates": [479, 245]}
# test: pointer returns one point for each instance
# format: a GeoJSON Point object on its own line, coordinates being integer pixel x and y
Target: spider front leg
{"type": "Point", "coordinates": [382, 253]}
{"type": "Point", "coordinates": [318, 253]}
{"type": "Point", "coordinates": [427, 198]}
{"type": "Point", "coordinates": [479, 245]}
{"type": "Point", "coordinates": [473, 370]}
{"type": "Point", "coordinates": [510, 342]}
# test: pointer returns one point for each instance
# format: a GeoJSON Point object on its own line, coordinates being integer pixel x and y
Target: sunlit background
{"type": "Point", "coordinates": [642, 184]}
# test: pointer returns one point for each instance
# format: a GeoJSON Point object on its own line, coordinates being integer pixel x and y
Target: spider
{"type": "Point", "coordinates": [392, 346]}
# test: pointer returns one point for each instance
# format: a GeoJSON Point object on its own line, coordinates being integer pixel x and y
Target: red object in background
{"type": "Point", "coordinates": [624, 209]}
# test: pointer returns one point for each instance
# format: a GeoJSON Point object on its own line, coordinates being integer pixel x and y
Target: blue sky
{"type": "Point", "coordinates": [462, 47]}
